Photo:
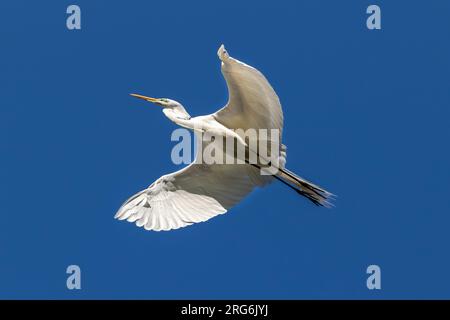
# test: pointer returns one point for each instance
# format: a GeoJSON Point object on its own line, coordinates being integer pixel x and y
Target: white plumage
{"type": "Point", "coordinates": [199, 191]}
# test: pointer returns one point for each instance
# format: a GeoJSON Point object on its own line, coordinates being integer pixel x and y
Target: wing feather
{"type": "Point", "coordinates": [252, 101]}
{"type": "Point", "coordinates": [192, 195]}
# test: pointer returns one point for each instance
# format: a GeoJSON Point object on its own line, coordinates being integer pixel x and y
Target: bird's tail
{"type": "Point", "coordinates": [316, 194]}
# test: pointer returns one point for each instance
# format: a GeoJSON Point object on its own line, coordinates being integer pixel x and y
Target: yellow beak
{"type": "Point", "coordinates": [144, 97]}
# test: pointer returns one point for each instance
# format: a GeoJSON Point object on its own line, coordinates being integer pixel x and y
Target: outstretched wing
{"type": "Point", "coordinates": [193, 194]}
{"type": "Point", "coordinates": [252, 101]}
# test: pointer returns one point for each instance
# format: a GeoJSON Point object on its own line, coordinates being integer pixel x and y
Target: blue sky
{"type": "Point", "coordinates": [366, 116]}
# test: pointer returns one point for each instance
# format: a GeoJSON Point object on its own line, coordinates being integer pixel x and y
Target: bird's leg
{"type": "Point", "coordinates": [317, 203]}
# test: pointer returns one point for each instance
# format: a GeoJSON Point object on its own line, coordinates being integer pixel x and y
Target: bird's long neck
{"type": "Point", "coordinates": [179, 116]}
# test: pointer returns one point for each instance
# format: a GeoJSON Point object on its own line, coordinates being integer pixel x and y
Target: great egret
{"type": "Point", "coordinates": [199, 191]}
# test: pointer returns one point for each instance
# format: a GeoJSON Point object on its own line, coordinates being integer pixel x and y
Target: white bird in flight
{"type": "Point", "coordinates": [201, 191]}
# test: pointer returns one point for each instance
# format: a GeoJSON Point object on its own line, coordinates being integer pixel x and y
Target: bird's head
{"type": "Point", "coordinates": [163, 102]}
{"type": "Point", "coordinates": [169, 106]}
